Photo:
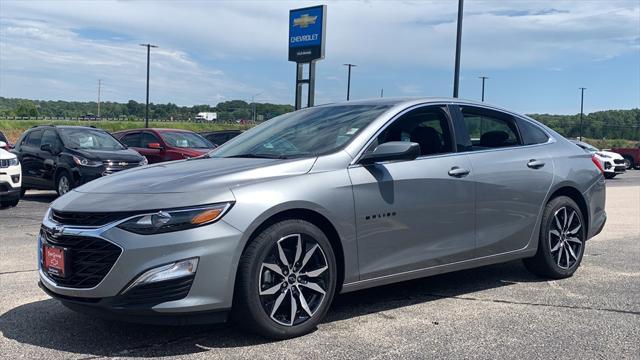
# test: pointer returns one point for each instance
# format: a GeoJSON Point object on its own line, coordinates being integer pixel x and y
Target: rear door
{"type": "Point", "coordinates": [512, 177]}
{"type": "Point", "coordinates": [413, 214]}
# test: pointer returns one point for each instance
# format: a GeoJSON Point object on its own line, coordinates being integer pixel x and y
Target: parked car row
{"type": "Point", "coordinates": [612, 163]}
{"type": "Point", "coordinates": [60, 158]}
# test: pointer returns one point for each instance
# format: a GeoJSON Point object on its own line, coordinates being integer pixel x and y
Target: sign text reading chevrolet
{"type": "Point", "coordinates": [306, 33]}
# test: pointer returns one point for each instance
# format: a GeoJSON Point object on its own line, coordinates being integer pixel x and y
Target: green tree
{"type": "Point", "coordinates": [26, 108]}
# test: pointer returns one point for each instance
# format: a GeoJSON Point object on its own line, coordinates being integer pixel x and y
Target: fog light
{"type": "Point", "coordinates": [171, 271]}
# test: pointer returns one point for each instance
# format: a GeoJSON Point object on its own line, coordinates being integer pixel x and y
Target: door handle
{"type": "Point", "coordinates": [458, 172]}
{"type": "Point", "coordinates": [535, 164]}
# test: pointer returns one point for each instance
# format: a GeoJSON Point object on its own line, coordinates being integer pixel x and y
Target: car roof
{"type": "Point", "coordinates": [152, 129]}
{"type": "Point", "coordinates": [67, 127]}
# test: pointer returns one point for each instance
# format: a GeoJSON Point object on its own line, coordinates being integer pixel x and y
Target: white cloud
{"type": "Point", "coordinates": [41, 43]}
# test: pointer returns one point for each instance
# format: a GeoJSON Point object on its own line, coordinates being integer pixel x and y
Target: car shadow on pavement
{"type": "Point", "coordinates": [50, 325]}
{"type": "Point", "coordinates": [40, 196]}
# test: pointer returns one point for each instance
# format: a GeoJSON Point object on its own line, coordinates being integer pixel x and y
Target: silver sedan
{"type": "Point", "coordinates": [325, 200]}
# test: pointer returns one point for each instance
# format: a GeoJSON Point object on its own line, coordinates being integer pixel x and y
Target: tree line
{"type": "Point", "coordinates": [133, 110]}
{"type": "Point", "coordinates": [608, 124]}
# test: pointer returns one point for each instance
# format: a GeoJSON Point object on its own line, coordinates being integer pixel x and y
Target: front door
{"type": "Point", "coordinates": [415, 214]}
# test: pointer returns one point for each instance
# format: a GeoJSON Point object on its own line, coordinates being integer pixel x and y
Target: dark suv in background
{"type": "Point", "coordinates": [220, 137]}
{"type": "Point", "coordinates": [63, 157]}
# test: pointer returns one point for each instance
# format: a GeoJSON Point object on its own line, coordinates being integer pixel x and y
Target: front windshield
{"type": "Point", "coordinates": [308, 132]}
{"type": "Point", "coordinates": [88, 139]}
{"type": "Point", "coordinates": [182, 139]}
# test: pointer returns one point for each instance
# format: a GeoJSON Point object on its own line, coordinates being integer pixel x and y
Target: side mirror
{"type": "Point", "coordinates": [47, 147]}
{"type": "Point", "coordinates": [3, 144]}
{"type": "Point", "coordinates": [156, 146]}
{"type": "Point", "coordinates": [393, 150]}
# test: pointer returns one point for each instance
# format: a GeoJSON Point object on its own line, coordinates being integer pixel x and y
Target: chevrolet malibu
{"type": "Point", "coordinates": [325, 200]}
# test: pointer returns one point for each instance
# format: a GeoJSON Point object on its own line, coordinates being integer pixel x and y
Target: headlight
{"type": "Point", "coordinates": [144, 161]}
{"type": "Point", "coordinates": [175, 220]}
{"type": "Point", "coordinates": [14, 162]}
{"type": "Point", "coordinates": [86, 162]}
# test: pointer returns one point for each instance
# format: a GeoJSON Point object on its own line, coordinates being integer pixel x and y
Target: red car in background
{"type": "Point", "coordinates": [159, 145]}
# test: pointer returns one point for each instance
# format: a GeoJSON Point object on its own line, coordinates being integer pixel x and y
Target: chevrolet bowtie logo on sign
{"type": "Point", "coordinates": [304, 21]}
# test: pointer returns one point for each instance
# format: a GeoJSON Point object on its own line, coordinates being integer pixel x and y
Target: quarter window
{"type": "Point", "coordinates": [489, 129]}
{"type": "Point", "coordinates": [531, 134]}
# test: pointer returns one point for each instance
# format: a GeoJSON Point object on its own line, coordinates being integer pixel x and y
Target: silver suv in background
{"type": "Point", "coordinates": [329, 199]}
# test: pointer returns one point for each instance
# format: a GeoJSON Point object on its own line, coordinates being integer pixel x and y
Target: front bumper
{"type": "Point", "coordinates": [210, 292]}
{"type": "Point", "coordinates": [9, 191]}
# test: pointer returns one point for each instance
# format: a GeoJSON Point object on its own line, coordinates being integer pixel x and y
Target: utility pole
{"type": "Point", "coordinates": [146, 110]}
{"type": "Point", "coordinates": [382, 92]}
{"type": "Point", "coordinates": [483, 79]}
{"type": "Point", "coordinates": [456, 75]}
{"type": "Point", "coordinates": [349, 78]}
{"type": "Point", "coordinates": [254, 106]}
{"type": "Point", "coordinates": [581, 109]}
{"type": "Point", "coordinates": [99, 83]}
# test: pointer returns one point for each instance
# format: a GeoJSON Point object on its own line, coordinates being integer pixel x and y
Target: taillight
{"type": "Point", "coordinates": [597, 163]}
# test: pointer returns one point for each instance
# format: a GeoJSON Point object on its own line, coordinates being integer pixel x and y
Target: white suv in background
{"type": "Point", "coordinates": [10, 178]}
{"type": "Point", "coordinates": [612, 163]}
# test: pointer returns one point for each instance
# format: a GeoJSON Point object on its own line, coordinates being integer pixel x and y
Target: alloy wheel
{"type": "Point", "coordinates": [63, 185]}
{"type": "Point", "coordinates": [293, 279]}
{"type": "Point", "coordinates": [565, 237]}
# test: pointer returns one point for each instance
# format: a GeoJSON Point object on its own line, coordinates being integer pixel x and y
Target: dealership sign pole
{"type": "Point", "coordinates": [306, 46]}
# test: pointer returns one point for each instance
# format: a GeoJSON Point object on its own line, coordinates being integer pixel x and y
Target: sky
{"type": "Point", "coordinates": [535, 53]}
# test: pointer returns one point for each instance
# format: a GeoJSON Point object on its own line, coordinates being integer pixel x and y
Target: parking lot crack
{"type": "Point", "coordinates": [500, 301]}
{"type": "Point", "coordinates": [17, 272]}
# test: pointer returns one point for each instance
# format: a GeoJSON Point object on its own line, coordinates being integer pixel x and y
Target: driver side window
{"type": "Point", "coordinates": [427, 126]}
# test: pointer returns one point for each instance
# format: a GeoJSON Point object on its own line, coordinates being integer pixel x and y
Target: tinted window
{"type": "Point", "coordinates": [489, 129]}
{"type": "Point", "coordinates": [307, 132]}
{"type": "Point", "coordinates": [183, 139]}
{"type": "Point", "coordinates": [34, 138]}
{"type": "Point", "coordinates": [428, 127]}
{"type": "Point", "coordinates": [148, 138]}
{"type": "Point", "coordinates": [132, 140]}
{"type": "Point", "coordinates": [531, 134]}
{"type": "Point", "coordinates": [49, 137]}
{"type": "Point", "coordinates": [217, 139]}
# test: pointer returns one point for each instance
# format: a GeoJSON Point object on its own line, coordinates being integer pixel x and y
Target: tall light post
{"type": "Point", "coordinates": [582, 89]}
{"type": "Point", "coordinates": [456, 75]}
{"type": "Point", "coordinates": [99, 83]}
{"type": "Point", "coordinates": [483, 79]}
{"type": "Point", "coordinates": [349, 78]}
{"type": "Point", "coordinates": [254, 105]}
{"type": "Point", "coordinates": [146, 110]}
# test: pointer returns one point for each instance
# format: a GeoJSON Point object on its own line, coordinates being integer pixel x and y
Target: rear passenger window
{"type": "Point", "coordinates": [489, 129]}
{"type": "Point", "coordinates": [531, 134]}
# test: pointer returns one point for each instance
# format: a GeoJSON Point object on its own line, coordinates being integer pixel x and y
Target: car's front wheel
{"type": "Point", "coordinates": [64, 183]}
{"type": "Point", "coordinates": [286, 280]}
{"type": "Point", "coordinates": [561, 241]}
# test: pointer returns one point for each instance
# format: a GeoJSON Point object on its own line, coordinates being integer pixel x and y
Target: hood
{"type": "Point", "coordinates": [610, 154]}
{"type": "Point", "coordinates": [5, 155]}
{"type": "Point", "coordinates": [128, 155]}
{"type": "Point", "coordinates": [180, 183]}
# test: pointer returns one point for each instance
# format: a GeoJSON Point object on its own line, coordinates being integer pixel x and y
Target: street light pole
{"type": "Point", "coordinates": [254, 106]}
{"type": "Point", "coordinates": [99, 83]}
{"type": "Point", "coordinates": [146, 110]}
{"type": "Point", "coordinates": [349, 79]}
{"type": "Point", "coordinates": [581, 109]}
{"type": "Point", "coordinates": [456, 75]}
{"type": "Point", "coordinates": [483, 79]}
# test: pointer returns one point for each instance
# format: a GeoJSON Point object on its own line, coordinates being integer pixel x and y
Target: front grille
{"type": "Point", "coordinates": [618, 161]}
{"type": "Point", "coordinates": [112, 166]}
{"type": "Point", "coordinates": [4, 163]}
{"type": "Point", "coordinates": [90, 259]}
{"type": "Point", "coordinates": [87, 218]}
{"type": "Point", "coordinates": [156, 293]}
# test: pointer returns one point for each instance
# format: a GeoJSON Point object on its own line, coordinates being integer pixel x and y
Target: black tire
{"type": "Point", "coordinates": [251, 309]}
{"type": "Point", "coordinates": [22, 192]}
{"type": "Point", "coordinates": [609, 175]}
{"type": "Point", "coordinates": [545, 263]}
{"type": "Point", "coordinates": [9, 203]}
{"type": "Point", "coordinates": [61, 176]}
{"type": "Point", "coordinates": [628, 160]}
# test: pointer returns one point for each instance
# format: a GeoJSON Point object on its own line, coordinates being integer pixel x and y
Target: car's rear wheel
{"type": "Point", "coordinates": [9, 203]}
{"type": "Point", "coordinates": [561, 241]}
{"type": "Point", "coordinates": [64, 183]}
{"type": "Point", "coordinates": [286, 280]}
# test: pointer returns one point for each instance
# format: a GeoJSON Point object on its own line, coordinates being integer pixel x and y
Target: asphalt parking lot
{"type": "Point", "coordinates": [499, 311]}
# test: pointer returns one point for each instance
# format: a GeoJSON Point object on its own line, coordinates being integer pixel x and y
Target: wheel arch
{"type": "Point", "coordinates": [574, 194]}
{"type": "Point", "coordinates": [317, 219]}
